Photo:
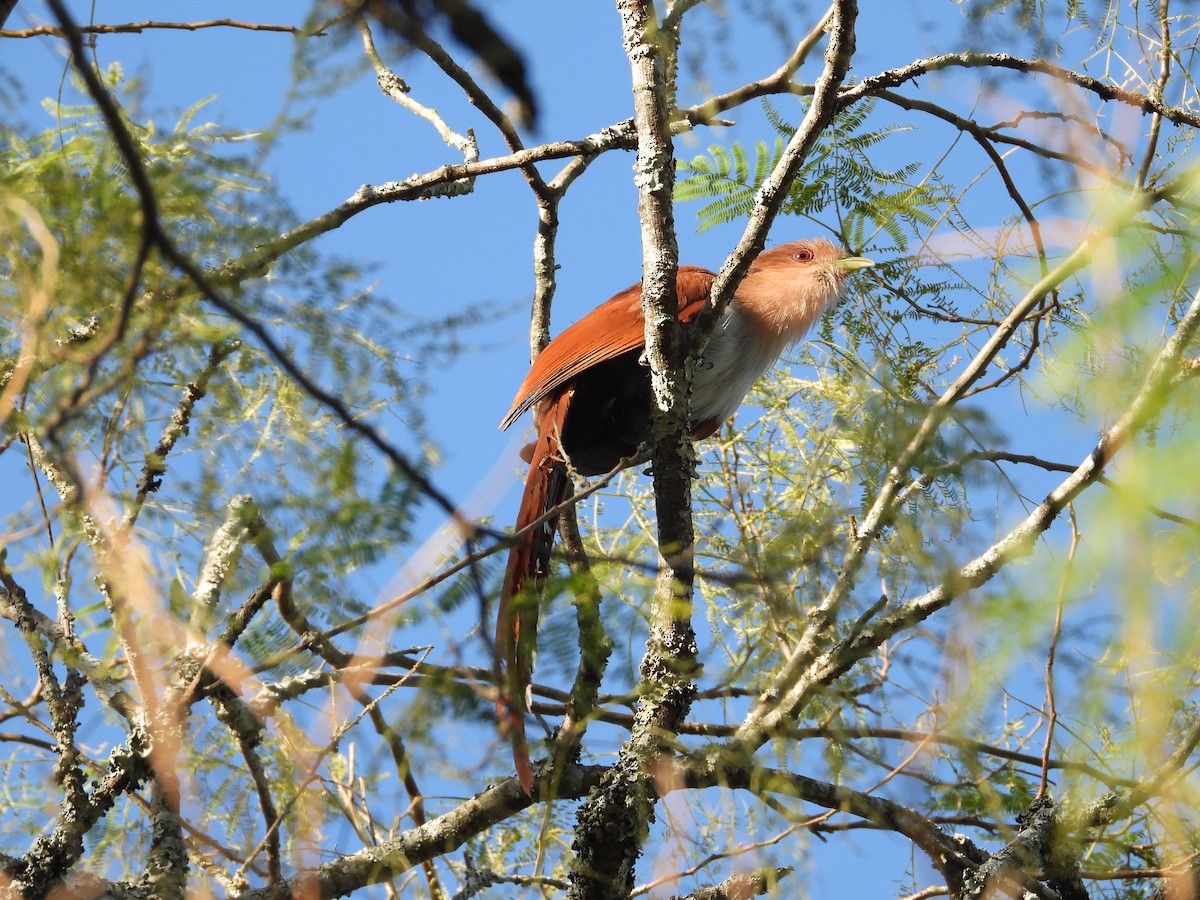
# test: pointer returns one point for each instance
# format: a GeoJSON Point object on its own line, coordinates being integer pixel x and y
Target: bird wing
{"type": "Point", "coordinates": [612, 328]}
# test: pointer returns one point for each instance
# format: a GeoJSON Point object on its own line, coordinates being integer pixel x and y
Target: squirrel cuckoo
{"type": "Point", "coordinates": [590, 390]}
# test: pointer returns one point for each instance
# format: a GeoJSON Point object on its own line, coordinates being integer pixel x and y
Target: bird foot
{"type": "Point", "coordinates": [644, 452]}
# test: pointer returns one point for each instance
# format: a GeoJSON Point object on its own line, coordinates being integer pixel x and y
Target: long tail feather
{"type": "Point", "coordinates": [528, 563]}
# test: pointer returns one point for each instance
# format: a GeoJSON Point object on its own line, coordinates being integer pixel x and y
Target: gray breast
{"type": "Point", "coordinates": [732, 362]}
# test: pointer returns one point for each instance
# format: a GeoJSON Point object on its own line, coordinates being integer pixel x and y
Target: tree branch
{"type": "Point", "coordinates": [774, 190]}
{"type": "Point", "coordinates": [139, 27]}
{"type": "Point", "coordinates": [153, 226]}
{"type": "Point", "coordinates": [437, 837]}
{"type": "Point", "coordinates": [612, 825]}
{"type": "Point", "coordinates": [895, 77]}
{"type": "Point", "coordinates": [793, 685]}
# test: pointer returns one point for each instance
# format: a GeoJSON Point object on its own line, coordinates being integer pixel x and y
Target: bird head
{"type": "Point", "coordinates": [789, 286]}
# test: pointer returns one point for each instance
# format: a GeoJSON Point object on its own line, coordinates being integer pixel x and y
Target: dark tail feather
{"type": "Point", "coordinates": [528, 563]}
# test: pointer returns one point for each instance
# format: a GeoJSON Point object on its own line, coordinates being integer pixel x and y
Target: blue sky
{"type": "Point", "coordinates": [438, 256]}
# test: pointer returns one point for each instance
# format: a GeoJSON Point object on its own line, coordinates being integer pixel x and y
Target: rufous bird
{"type": "Point", "coordinates": [590, 389]}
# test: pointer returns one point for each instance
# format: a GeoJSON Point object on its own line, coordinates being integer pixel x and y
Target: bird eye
{"type": "Point", "coordinates": [803, 255]}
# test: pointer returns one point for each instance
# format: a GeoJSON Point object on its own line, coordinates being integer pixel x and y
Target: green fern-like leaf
{"type": "Point", "coordinates": [838, 174]}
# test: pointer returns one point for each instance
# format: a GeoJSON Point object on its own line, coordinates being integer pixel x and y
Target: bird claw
{"type": "Point", "coordinates": [693, 469]}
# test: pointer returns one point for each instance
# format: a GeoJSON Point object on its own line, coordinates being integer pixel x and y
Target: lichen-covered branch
{"type": "Point", "coordinates": [781, 702]}
{"type": "Point", "coordinates": [148, 25]}
{"type": "Point", "coordinates": [612, 825]}
{"type": "Point", "coordinates": [1102, 89]}
{"type": "Point", "coordinates": [437, 837]}
{"type": "Point", "coordinates": [181, 418]}
{"type": "Point", "coordinates": [774, 190]}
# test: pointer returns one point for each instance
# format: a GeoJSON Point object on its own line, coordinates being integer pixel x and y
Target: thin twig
{"type": "Point", "coordinates": [153, 225]}
{"type": "Point", "coordinates": [1051, 652]}
{"type": "Point", "coordinates": [139, 27]}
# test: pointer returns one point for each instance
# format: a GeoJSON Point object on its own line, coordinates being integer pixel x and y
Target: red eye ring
{"type": "Point", "coordinates": [803, 255]}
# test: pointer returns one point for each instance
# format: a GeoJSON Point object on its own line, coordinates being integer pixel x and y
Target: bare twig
{"type": "Point", "coordinates": [139, 27]}
{"type": "Point", "coordinates": [1103, 90]}
{"type": "Point", "coordinates": [397, 90]}
{"type": "Point", "coordinates": [1150, 156]}
{"type": "Point", "coordinates": [774, 190]}
{"type": "Point", "coordinates": [153, 226]}
{"type": "Point", "coordinates": [155, 465]}
{"type": "Point", "coordinates": [1020, 540]}
{"type": "Point", "coordinates": [794, 682]}
{"type": "Point", "coordinates": [447, 832]}
{"type": "Point", "coordinates": [953, 857]}
{"type": "Point", "coordinates": [1051, 652]}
